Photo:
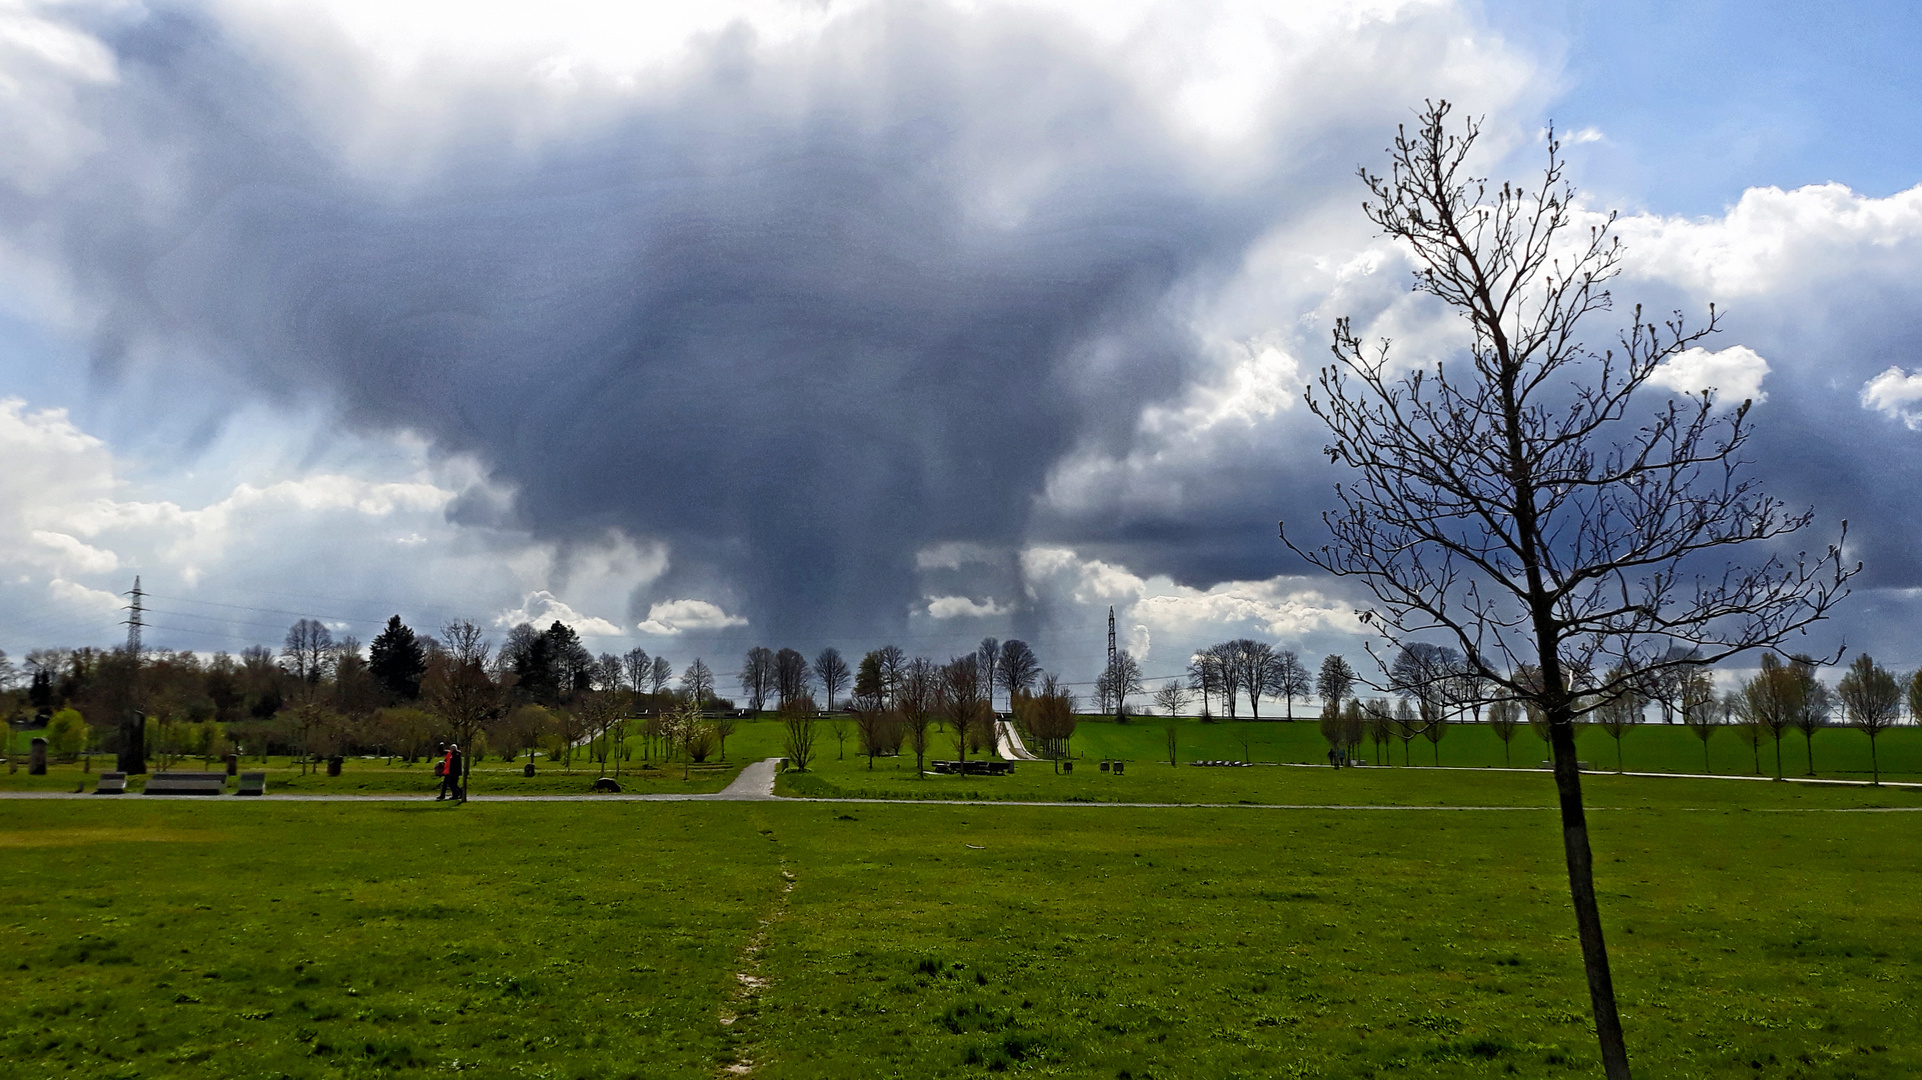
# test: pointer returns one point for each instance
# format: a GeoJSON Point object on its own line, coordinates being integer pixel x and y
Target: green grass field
{"type": "Point", "coordinates": [1840, 753]}
{"type": "Point", "coordinates": [1149, 777]}
{"type": "Point", "coordinates": [252, 939]}
{"type": "Point", "coordinates": [373, 776]}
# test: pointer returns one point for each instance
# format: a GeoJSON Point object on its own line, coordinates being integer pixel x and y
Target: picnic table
{"type": "Point", "coordinates": [187, 783]}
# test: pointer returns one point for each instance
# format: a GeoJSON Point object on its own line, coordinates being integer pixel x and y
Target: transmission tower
{"type": "Point", "coordinates": [133, 620]}
{"type": "Point", "coordinates": [1111, 666]}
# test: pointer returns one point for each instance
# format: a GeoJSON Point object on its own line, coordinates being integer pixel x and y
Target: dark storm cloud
{"type": "Point", "coordinates": [799, 318]}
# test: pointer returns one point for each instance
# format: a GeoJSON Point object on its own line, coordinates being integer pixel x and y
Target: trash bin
{"type": "Point", "coordinates": [333, 765]}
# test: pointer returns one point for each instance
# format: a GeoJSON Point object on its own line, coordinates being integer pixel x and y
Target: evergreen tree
{"type": "Point", "coordinates": [397, 661]}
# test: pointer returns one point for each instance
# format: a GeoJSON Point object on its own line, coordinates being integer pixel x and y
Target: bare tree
{"type": "Point", "coordinates": [1511, 502]}
{"type": "Point", "coordinates": [1204, 678]}
{"type": "Point", "coordinates": [1228, 674]}
{"type": "Point", "coordinates": [1873, 699]}
{"type": "Point", "coordinates": [1117, 683]}
{"type": "Point", "coordinates": [1332, 732]}
{"type": "Point", "coordinates": [1771, 701]}
{"type": "Point", "coordinates": [892, 664]}
{"type": "Point", "coordinates": [1381, 726]}
{"type": "Point", "coordinates": [639, 669]}
{"type": "Point", "coordinates": [662, 675]}
{"type": "Point", "coordinates": [698, 681]}
{"type": "Point", "coordinates": [832, 670]}
{"type": "Point", "coordinates": [988, 658]}
{"type": "Point", "coordinates": [1425, 673]}
{"type": "Point", "coordinates": [308, 652]}
{"type": "Point", "coordinates": [1287, 679]}
{"type": "Point", "coordinates": [1335, 681]}
{"type": "Point", "coordinates": [757, 676]}
{"type": "Point", "coordinates": [793, 679]}
{"type": "Point", "coordinates": [1254, 663]}
{"type": "Point", "coordinates": [870, 713]}
{"type": "Point", "coordinates": [1018, 669]}
{"type": "Point", "coordinates": [1048, 716]}
{"type": "Point", "coordinates": [1699, 709]}
{"type": "Point", "coordinates": [1816, 703]}
{"type": "Point", "coordinates": [1408, 724]}
{"type": "Point", "coordinates": [915, 701]}
{"type": "Point", "coordinates": [1172, 697]}
{"type": "Point", "coordinates": [1617, 714]}
{"type": "Point", "coordinates": [1504, 719]}
{"type": "Point", "coordinates": [797, 717]}
{"type": "Point", "coordinates": [459, 689]}
{"type": "Point", "coordinates": [1665, 684]}
{"type": "Point", "coordinates": [1737, 717]}
{"type": "Point", "coordinates": [966, 702]}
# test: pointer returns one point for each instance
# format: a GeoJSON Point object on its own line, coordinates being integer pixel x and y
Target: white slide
{"type": "Point", "coordinates": [1007, 743]}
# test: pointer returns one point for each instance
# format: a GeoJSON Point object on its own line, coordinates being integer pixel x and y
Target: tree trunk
{"type": "Point", "coordinates": [1808, 739]}
{"type": "Point", "coordinates": [1581, 887]}
{"type": "Point", "coordinates": [1873, 763]}
{"type": "Point", "coordinates": [131, 758]}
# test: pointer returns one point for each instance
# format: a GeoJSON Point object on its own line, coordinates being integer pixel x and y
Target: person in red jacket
{"type": "Point", "coordinates": [449, 773]}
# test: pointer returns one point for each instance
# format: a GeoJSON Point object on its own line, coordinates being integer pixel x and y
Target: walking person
{"type": "Point", "coordinates": [454, 763]}
{"type": "Point", "coordinates": [449, 776]}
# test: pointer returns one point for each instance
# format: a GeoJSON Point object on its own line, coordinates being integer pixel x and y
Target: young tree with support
{"type": "Point", "coordinates": [1699, 710]}
{"type": "Point", "coordinates": [1873, 699]}
{"type": "Point", "coordinates": [1509, 501]}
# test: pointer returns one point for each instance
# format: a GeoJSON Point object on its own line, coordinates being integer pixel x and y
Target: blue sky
{"type": "Point", "coordinates": [800, 324]}
{"type": "Point", "coordinates": [1701, 101]}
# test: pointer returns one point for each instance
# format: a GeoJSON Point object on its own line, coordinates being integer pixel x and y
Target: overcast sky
{"type": "Point", "coordinates": [810, 323]}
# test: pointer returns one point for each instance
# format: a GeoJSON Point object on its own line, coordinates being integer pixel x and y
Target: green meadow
{"type": "Point", "coordinates": [1839, 753]}
{"type": "Point", "coordinates": [1754, 933]}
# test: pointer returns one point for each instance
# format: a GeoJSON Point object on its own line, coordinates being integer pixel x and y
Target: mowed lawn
{"type": "Point", "coordinates": [383, 776]}
{"type": "Point", "coordinates": [248, 939]}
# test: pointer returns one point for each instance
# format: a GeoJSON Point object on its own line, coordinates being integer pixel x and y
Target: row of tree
{"type": "Point", "coordinates": [1431, 687]}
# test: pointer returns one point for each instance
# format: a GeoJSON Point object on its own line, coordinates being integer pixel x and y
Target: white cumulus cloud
{"type": "Point", "coordinates": [543, 608]}
{"type": "Point", "coordinates": [677, 616]}
{"type": "Point", "coordinates": [1735, 374]}
{"type": "Point", "coordinates": [1891, 393]}
{"type": "Point", "coordinates": [949, 607]}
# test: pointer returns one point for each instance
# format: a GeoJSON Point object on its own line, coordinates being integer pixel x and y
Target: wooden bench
{"type": "Point", "coordinates": [252, 783]}
{"type": "Point", "coordinates": [111, 783]}
{"type": "Point", "coordinates": [187, 783]}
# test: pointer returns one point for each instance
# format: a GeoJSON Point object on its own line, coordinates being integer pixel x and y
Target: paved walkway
{"type": "Point", "coordinates": [1007, 743]}
{"type": "Point", "coordinates": [755, 783]}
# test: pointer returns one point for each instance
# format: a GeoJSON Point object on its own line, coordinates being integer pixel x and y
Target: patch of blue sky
{"type": "Point", "coordinates": [1698, 101]}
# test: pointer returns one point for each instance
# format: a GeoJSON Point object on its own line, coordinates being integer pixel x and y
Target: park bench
{"type": "Point", "coordinates": [187, 783]}
{"type": "Point", "coordinates": [111, 783]}
{"type": "Point", "coordinates": [252, 783]}
{"type": "Point", "coordinates": [972, 768]}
